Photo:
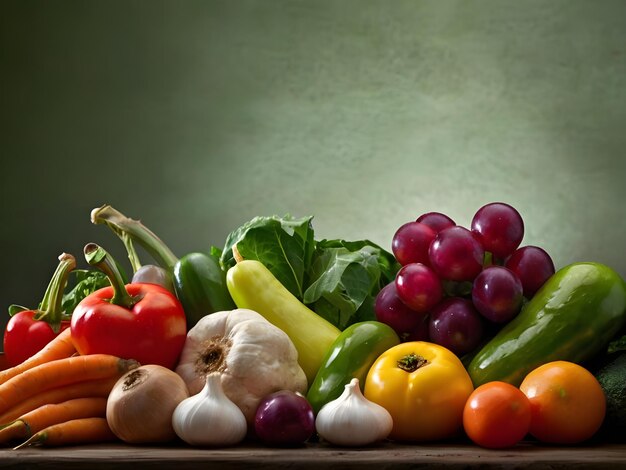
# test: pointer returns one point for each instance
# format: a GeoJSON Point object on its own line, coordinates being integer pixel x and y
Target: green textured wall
{"type": "Point", "coordinates": [196, 116]}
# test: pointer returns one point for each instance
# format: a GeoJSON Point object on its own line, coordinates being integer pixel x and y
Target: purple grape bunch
{"type": "Point", "coordinates": [455, 284]}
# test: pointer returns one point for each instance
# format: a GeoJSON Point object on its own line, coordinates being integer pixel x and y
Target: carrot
{"type": "Point", "coordinates": [60, 347]}
{"type": "Point", "coordinates": [61, 372]}
{"type": "Point", "coordinates": [72, 432]}
{"type": "Point", "coordinates": [88, 388]}
{"type": "Point", "coordinates": [47, 415]}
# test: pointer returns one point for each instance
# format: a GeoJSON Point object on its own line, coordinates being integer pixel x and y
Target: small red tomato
{"type": "Point", "coordinates": [496, 415]}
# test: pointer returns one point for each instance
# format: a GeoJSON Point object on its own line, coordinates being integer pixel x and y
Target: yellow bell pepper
{"type": "Point", "coordinates": [424, 387]}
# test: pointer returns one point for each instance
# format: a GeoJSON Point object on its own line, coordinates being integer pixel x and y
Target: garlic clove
{"type": "Point", "coordinates": [209, 418]}
{"type": "Point", "coordinates": [353, 420]}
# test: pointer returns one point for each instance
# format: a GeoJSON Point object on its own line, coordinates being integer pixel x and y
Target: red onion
{"type": "Point", "coordinates": [284, 418]}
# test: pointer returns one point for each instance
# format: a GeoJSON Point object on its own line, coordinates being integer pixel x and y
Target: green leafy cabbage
{"type": "Point", "coordinates": [337, 279]}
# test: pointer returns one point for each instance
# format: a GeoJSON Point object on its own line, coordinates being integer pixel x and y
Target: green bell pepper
{"type": "Point", "coordinates": [199, 282]}
{"type": "Point", "coordinates": [350, 355]}
{"type": "Point", "coordinates": [572, 317]}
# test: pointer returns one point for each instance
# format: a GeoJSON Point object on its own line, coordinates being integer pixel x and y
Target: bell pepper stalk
{"type": "Point", "coordinates": [138, 321]}
{"type": "Point", "coordinates": [29, 330]}
{"type": "Point", "coordinates": [199, 281]}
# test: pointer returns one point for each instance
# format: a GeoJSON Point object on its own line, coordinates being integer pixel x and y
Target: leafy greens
{"type": "Point", "coordinates": [85, 282]}
{"type": "Point", "coordinates": [337, 279]}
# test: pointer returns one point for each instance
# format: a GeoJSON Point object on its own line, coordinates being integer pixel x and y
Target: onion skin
{"type": "Point", "coordinates": [141, 404]}
{"type": "Point", "coordinates": [284, 418]}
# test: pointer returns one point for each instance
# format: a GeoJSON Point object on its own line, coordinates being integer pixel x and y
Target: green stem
{"type": "Point", "coordinates": [133, 230]}
{"type": "Point", "coordinates": [50, 309]}
{"type": "Point", "coordinates": [132, 253]}
{"type": "Point", "coordinates": [412, 362]}
{"type": "Point", "coordinates": [101, 259]}
{"type": "Point", "coordinates": [34, 440]}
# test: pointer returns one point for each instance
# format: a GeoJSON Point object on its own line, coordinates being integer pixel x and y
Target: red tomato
{"type": "Point", "coordinates": [496, 415]}
{"type": "Point", "coordinates": [567, 402]}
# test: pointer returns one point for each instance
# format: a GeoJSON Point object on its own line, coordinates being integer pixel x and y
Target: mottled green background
{"type": "Point", "coordinates": [195, 116]}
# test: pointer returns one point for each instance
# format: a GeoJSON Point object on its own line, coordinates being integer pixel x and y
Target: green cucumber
{"type": "Point", "coordinates": [351, 355]}
{"type": "Point", "coordinates": [572, 318]}
{"type": "Point", "coordinates": [200, 285]}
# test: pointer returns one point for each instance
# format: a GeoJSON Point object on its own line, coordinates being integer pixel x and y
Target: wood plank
{"type": "Point", "coordinates": [384, 456]}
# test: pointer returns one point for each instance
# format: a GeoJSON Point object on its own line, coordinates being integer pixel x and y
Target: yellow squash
{"type": "Point", "coordinates": [253, 286]}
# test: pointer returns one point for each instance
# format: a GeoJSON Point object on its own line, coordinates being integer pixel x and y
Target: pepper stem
{"type": "Point", "coordinates": [130, 230]}
{"type": "Point", "coordinates": [50, 309]}
{"type": "Point", "coordinates": [101, 259]}
{"type": "Point", "coordinates": [236, 255]}
{"type": "Point", "coordinates": [412, 362]}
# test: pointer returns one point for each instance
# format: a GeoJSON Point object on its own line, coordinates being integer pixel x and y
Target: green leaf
{"type": "Point", "coordinates": [617, 345]}
{"type": "Point", "coordinates": [338, 279]}
{"type": "Point", "coordinates": [283, 244]}
{"type": "Point", "coordinates": [85, 282]}
{"type": "Point", "coordinates": [215, 252]}
{"type": "Point", "coordinates": [14, 308]}
{"type": "Point", "coordinates": [366, 311]}
{"type": "Point", "coordinates": [344, 281]}
{"type": "Point", "coordinates": [387, 263]}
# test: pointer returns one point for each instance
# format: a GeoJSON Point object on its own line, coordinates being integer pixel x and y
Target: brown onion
{"type": "Point", "coordinates": [141, 404]}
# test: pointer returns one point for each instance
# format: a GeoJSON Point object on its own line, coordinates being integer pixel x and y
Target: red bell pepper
{"type": "Point", "coordinates": [138, 321]}
{"type": "Point", "coordinates": [29, 330]}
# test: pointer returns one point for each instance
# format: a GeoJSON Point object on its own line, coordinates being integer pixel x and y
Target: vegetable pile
{"type": "Point", "coordinates": [284, 339]}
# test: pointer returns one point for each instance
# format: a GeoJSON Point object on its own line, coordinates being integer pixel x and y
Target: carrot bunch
{"type": "Point", "coordinates": [57, 397]}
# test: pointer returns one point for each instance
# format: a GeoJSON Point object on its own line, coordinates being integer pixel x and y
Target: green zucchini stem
{"type": "Point", "coordinates": [130, 230]}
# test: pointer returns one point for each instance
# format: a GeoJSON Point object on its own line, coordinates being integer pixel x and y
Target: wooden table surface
{"type": "Point", "coordinates": [383, 456]}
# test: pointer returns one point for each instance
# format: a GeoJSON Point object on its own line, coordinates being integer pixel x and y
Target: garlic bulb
{"type": "Point", "coordinates": [353, 420]}
{"type": "Point", "coordinates": [209, 418]}
{"type": "Point", "coordinates": [252, 356]}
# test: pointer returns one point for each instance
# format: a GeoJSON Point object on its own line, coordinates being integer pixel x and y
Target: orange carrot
{"type": "Point", "coordinates": [88, 388]}
{"type": "Point", "coordinates": [59, 373]}
{"type": "Point", "coordinates": [72, 432]}
{"type": "Point", "coordinates": [47, 415]}
{"type": "Point", "coordinates": [60, 347]}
